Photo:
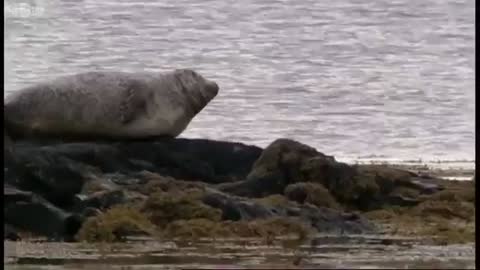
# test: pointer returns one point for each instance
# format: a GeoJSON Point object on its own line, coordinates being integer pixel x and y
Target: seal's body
{"type": "Point", "coordinates": [111, 105]}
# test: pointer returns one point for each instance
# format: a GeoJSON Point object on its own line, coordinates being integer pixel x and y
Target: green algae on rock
{"type": "Point", "coordinates": [312, 193]}
{"type": "Point", "coordinates": [263, 228]}
{"type": "Point", "coordinates": [360, 187]}
{"type": "Point", "coordinates": [114, 224]}
{"type": "Point", "coordinates": [163, 208]}
{"type": "Point", "coordinates": [447, 216]}
{"type": "Point", "coordinates": [178, 215]}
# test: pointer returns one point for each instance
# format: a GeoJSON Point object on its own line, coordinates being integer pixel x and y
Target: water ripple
{"type": "Point", "coordinates": [390, 78]}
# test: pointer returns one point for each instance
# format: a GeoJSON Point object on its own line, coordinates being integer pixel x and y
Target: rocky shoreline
{"type": "Point", "coordinates": [188, 188]}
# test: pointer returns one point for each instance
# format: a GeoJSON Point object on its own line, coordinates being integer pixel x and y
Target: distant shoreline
{"type": "Point", "coordinates": [461, 170]}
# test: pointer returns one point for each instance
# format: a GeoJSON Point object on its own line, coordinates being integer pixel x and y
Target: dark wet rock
{"type": "Point", "coordinates": [236, 208]}
{"type": "Point", "coordinates": [7, 141]}
{"type": "Point", "coordinates": [323, 219]}
{"type": "Point", "coordinates": [194, 159]}
{"type": "Point", "coordinates": [90, 212]}
{"type": "Point", "coordinates": [125, 180]}
{"type": "Point", "coordinates": [154, 182]}
{"type": "Point", "coordinates": [10, 233]}
{"type": "Point", "coordinates": [312, 193]}
{"type": "Point", "coordinates": [99, 199]}
{"type": "Point", "coordinates": [52, 176]}
{"type": "Point", "coordinates": [424, 186]}
{"type": "Point", "coordinates": [96, 183]}
{"type": "Point", "coordinates": [30, 212]}
{"type": "Point", "coordinates": [13, 195]}
{"type": "Point", "coordinates": [194, 181]}
{"type": "Point", "coordinates": [286, 162]}
{"type": "Point", "coordinates": [399, 200]}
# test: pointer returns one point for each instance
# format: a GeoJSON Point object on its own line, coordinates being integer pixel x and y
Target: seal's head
{"type": "Point", "coordinates": [196, 86]}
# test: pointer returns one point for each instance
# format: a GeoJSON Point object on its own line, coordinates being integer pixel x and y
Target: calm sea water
{"type": "Point", "coordinates": [356, 79]}
{"type": "Point", "coordinates": [321, 252]}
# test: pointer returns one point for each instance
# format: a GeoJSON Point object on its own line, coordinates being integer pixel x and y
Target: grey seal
{"type": "Point", "coordinates": [108, 105]}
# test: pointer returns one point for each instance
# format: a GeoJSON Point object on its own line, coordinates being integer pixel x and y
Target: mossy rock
{"type": "Point", "coordinates": [450, 233]}
{"type": "Point", "coordinates": [382, 178]}
{"type": "Point", "coordinates": [453, 195]}
{"type": "Point", "coordinates": [282, 163]}
{"type": "Point", "coordinates": [195, 228]}
{"type": "Point", "coordinates": [96, 183]}
{"type": "Point", "coordinates": [447, 217]}
{"type": "Point", "coordinates": [385, 172]}
{"type": "Point", "coordinates": [158, 183]}
{"type": "Point", "coordinates": [446, 209]}
{"type": "Point", "coordinates": [165, 207]}
{"type": "Point", "coordinates": [263, 228]}
{"type": "Point", "coordinates": [283, 153]}
{"type": "Point", "coordinates": [405, 192]}
{"type": "Point", "coordinates": [275, 227]}
{"type": "Point", "coordinates": [380, 215]}
{"type": "Point", "coordinates": [114, 224]}
{"type": "Point", "coordinates": [312, 193]}
{"type": "Point", "coordinates": [274, 200]}
{"type": "Point", "coordinates": [437, 228]}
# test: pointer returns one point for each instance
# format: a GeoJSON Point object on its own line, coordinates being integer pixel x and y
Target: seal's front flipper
{"type": "Point", "coordinates": [133, 104]}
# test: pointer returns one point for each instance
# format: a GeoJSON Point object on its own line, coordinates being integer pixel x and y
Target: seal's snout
{"type": "Point", "coordinates": [212, 88]}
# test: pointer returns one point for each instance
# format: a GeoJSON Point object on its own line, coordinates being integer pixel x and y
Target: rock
{"type": "Point", "coordinates": [282, 163]}
{"type": "Point", "coordinates": [175, 183]}
{"type": "Point", "coordinates": [195, 160]}
{"type": "Point", "coordinates": [399, 200]}
{"type": "Point", "coordinates": [153, 182]}
{"type": "Point", "coordinates": [166, 207]}
{"type": "Point", "coordinates": [30, 212]}
{"type": "Point", "coordinates": [114, 225]}
{"type": "Point", "coordinates": [7, 141]}
{"type": "Point", "coordinates": [10, 233]}
{"type": "Point", "coordinates": [424, 186]}
{"type": "Point", "coordinates": [90, 212]}
{"type": "Point", "coordinates": [39, 170]}
{"type": "Point", "coordinates": [285, 162]}
{"type": "Point", "coordinates": [99, 199]}
{"type": "Point", "coordinates": [235, 208]}
{"type": "Point", "coordinates": [323, 219]}
{"type": "Point", "coordinates": [312, 193]}
{"type": "Point", "coordinates": [13, 195]}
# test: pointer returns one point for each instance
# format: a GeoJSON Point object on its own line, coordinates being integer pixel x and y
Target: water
{"type": "Point", "coordinates": [321, 252]}
{"type": "Point", "coordinates": [355, 79]}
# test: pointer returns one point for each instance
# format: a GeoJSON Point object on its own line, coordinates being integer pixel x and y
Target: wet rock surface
{"type": "Point", "coordinates": [286, 162]}
{"type": "Point", "coordinates": [31, 212]}
{"type": "Point", "coordinates": [102, 191]}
